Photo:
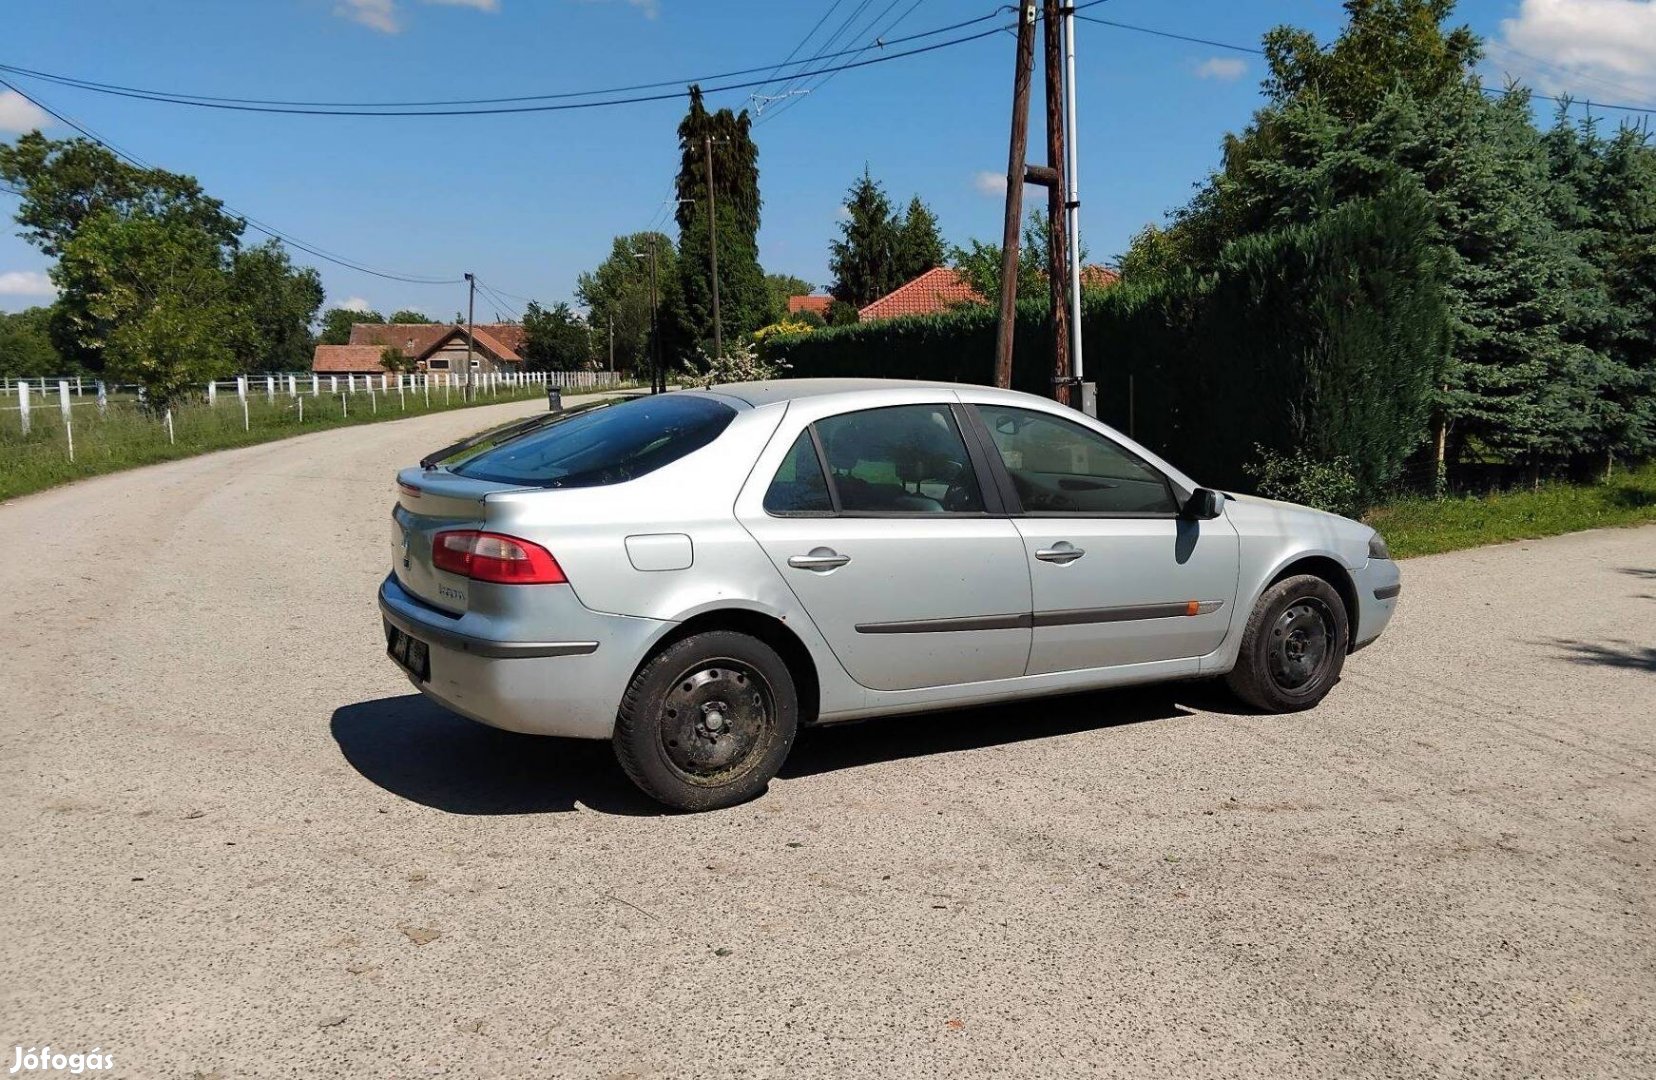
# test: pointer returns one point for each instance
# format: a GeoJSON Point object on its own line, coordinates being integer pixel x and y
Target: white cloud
{"type": "Point", "coordinates": [1223, 68]}
{"type": "Point", "coordinates": [356, 303]}
{"type": "Point", "coordinates": [480, 5]}
{"type": "Point", "coordinates": [842, 212]}
{"type": "Point", "coordinates": [18, 114]}
{"type": "Point", "coordinates": [26, 283]}
{"type": "Point", "coordinates": [989, 183]}
{"type": "Point", "coordinates": [1609, 43]}
{"type": "Point", "coordinates": [378, 15]}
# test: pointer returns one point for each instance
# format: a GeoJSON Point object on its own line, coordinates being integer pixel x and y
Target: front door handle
{"type": "Point", "coordinates": [1062, 552]}
{"type": "Point", "coordinates": [820, 558]}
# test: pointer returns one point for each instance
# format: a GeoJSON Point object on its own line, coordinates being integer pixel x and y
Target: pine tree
{"type": "Point", "coordinates": [743, 300]}
{"type": "Point", "coordinates": [919, 244]}
{"type": "Point", "coordinates": [864, 259]}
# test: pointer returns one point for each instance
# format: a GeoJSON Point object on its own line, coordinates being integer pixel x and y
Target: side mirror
{"type": "Point", "coordinates": [1204, 504]}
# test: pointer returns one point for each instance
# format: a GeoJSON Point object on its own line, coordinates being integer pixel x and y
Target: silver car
{"type": "Point", "coordinates": [696, 575]}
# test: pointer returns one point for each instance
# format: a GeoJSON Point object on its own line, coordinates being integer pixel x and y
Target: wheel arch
{"type": "Point", "coordinates": [764, 626]}
{"type": "Point", "coordinates": [1330, 570]}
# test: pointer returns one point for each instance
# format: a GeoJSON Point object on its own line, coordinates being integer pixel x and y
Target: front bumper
{"type": "Point", "coordinates": [1379, 584]}
{"type": "Point", "coordinates": [568, 683]}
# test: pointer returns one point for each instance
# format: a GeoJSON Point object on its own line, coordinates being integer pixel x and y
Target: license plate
{"type": "Point", "coordinates": [411, 654]}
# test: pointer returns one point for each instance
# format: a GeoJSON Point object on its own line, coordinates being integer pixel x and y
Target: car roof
{"type": "Point", "coordinates": [774, 390]}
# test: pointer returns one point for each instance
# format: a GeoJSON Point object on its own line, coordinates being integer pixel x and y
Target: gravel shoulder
{"type": "Point", "coordinates": [236, 843]}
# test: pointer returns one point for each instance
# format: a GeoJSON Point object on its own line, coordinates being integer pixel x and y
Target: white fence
{"type": "Point", "coordinates": [27, 398]}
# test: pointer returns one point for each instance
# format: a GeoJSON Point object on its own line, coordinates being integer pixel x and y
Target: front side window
{"type": "Point", "coordinates": [1060, 467]}
{"type": "Point", "coordinates": [604, 446]}
{"type": "Point", "coordinates": [906, 459]}
{"type": "Point", "coordinates": [799, 486]}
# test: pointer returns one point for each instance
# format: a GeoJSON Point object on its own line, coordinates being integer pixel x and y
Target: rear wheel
{"type": "Point", "coordinates": [708, 722]}
{"type": "Point", "coordinates": [1293, 647]}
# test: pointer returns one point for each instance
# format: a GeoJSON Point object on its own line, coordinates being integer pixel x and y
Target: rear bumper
{"type": "Point", "coordinates": [568, 683]}
{"type": "Point", "coordinates": [1379, 584]}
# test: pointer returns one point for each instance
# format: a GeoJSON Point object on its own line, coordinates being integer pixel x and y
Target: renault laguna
{"type": "Point", "coordinates": [695, 576]}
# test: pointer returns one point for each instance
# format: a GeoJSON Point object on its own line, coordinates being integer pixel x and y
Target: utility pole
{"type": "Point", "coordinates": [471, 321]}
{"type": "Point", "coordinates": [658, 378]}
{"type": "Point", "coordinates": [612, 342]}
{"type": "Point", "coordinates": [1058, 247]}
{"type": "Point", "coordinates": [1014, 192]}
{"type": "Point", "coordinates": [1089, 399]}
{"type": "Point", "coordinates": [712, 250]}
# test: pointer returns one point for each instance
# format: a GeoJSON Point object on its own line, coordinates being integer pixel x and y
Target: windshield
{"type": "Point", "coordinates": [605, 446]}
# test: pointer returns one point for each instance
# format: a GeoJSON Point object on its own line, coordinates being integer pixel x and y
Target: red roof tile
{"type": "Point", "coordinates": [343, 359]}
{"type": "Point", "coordinates": [818, 304]}
{"type": "Point", "coordinates": [931, 293]}
{"type": "Point", "coordinates": [1098, 277]}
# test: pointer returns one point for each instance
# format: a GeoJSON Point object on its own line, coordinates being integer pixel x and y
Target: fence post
{"type": "Point", "coordinates": [344, 405]}
{"type": "Point", "coordinates": [23, 404]}
{"type": "Point", "coordinates": [270, 389]}
{"type": "Point", "coordinates": [293, 386]}
{"type": "Point", "coordinates": [77, 386]}
{"type": "Point", "coordinates": [333, 384]}
{"type": "Point", "coordinates": [103, 398]}
{"type": "Point", "coordinates": [350, 383]}
{"type": "Point", "coordinates": [316, 384]}
{"type": "Point", "coordinates": [212, 394]}
{"type": "Point", "coordinates": [170, 438]}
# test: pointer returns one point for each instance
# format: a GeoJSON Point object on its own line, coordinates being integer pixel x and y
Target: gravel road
{"type": "Point", "coordinates": [237, 844]}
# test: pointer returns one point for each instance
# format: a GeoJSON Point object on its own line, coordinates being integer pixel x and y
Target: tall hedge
{"type": "Point", "coordinates": [1324, 337]}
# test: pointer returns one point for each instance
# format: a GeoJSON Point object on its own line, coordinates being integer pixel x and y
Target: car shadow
{"type": "Point", "coordinates": [893, 738]}
{"type": "Point", "coordinates": [417, 750]}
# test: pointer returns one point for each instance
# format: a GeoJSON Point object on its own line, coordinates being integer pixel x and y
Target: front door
{"type": "Point", "coordinates": [877, 521]}
{"type": "Point", "coordinates": [1118, 576]}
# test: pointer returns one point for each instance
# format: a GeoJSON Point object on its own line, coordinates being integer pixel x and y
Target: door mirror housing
{"type": "Point", "coordinates": [1204, 504]}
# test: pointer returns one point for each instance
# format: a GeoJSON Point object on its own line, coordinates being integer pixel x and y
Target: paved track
{"type": "Point", "coordinates": [235, 844]}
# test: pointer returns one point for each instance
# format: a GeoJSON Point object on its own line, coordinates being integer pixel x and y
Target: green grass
{"type": "Point", "coordinates": [124, 437]}
{"type": "Point", "coordinates": [1421, 526]}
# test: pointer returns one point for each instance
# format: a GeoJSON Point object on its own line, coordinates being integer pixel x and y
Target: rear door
{"type": "Point", "coordinates": [879, 522]}
{"type": "Point", "coordinates": [1118, 576]}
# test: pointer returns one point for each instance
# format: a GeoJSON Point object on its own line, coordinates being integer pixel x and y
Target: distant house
{"type": "Point", "coordinates": [944, 289]}
{"type": "Point", "coordinates": [437, 347]}
{"type": "Point", "coordinates": [818, 304]}
{"type": "Point", "coordinates": [932, 293]}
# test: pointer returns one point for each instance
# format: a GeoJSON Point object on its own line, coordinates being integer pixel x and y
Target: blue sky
{"type": "Point", "coordinates": [528, 201]}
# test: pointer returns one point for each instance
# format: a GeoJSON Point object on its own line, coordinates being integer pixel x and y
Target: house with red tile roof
{"type": "Point", "coordinates": [439, 347]}
{"type": "Point", "coordinates": [943, 289]}
{"type": "Point", "coordinates": [818, 304]}
{"type": "Point", "coordinates": [932, 293]}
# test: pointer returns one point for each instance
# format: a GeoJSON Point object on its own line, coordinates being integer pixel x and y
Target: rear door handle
{"type": "Point", "coordinates": [819, 559]}
{"type": "Point", "coordinates": [1061, 553]}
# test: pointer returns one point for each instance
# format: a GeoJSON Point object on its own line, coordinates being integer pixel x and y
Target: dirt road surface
{"type": "Point", "coordinates": [237, 844]}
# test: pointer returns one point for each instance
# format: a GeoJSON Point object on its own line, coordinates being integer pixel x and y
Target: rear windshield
{"type": "Point", "coordinates": [605, 446]}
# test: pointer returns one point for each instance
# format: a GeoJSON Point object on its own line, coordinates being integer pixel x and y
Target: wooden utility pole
{"type": "Point", "coordinates": [713, 250]}
{"type": "Point", "coordinates": [658, 379]}
{"type": "Point", "coordinates": [1058, 263]}
{"type": "Point", "coordinates": [1014, 192]}
{"type": "Point", "coordinates": [471, 322]}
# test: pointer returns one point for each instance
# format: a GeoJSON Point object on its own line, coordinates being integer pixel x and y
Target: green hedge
{"type": "Point", "coordinates": [1323, 338]}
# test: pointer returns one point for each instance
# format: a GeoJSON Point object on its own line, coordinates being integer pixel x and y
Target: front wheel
{"type": "Point", "coordinates": [1293, 647]}
{"type": "Point", "coordinates": [708, 722]}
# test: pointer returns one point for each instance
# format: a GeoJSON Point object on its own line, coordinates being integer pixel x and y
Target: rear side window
{"type": "Point", "coordinates": [905, 459]}
{"type": "Point", "coordinates": [799, 486]}
{"type": "Point", "coordinates": [605, 446]}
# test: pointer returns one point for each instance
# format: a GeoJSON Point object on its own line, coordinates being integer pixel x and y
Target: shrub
{"type": "Point", "coordinates": [740, 363]}
{"type": "Point", "coordinates": [1301, 478]}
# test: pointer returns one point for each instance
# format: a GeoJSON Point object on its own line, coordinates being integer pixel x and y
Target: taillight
{"type": "Point", "coordinates": [487, 556]}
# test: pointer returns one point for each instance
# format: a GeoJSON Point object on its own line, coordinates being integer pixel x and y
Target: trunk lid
{"type": "Point", "coordinates": [430, 501]}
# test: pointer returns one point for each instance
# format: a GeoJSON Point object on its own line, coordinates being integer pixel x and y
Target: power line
{"type": "Point", "coordinates": [1566, 101]}
{"type": "Point", "coordinates": [348, 108]}
{"type": "Point", "coordinates": [808, 35]}
{"type": "Point", "coordinates": [876, 41]}
{"type": "Point", "coordinates": [255, 223]}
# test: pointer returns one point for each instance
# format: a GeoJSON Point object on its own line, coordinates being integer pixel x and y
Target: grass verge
{"type": "Point", "coordinates": [124, 437]}
{"type": "Point", "coordinates": [1423, 526]}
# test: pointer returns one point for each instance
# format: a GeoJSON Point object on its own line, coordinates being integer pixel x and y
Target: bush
{"type": "Point", "coordinates": [740, 363]}
{"type": "Point", "coordinates": [1301, 478]}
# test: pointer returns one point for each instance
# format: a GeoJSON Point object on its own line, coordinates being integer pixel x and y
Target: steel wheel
{"type": "Point", "coordinates": [1302, 642]}
{"type": "Point", "coordinates": [715, 719]}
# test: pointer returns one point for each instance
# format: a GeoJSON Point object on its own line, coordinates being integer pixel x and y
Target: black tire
{"type": "Point", "coordinates": [1293, 647]}
{"type": "Point", "coordinates": [707, 722]}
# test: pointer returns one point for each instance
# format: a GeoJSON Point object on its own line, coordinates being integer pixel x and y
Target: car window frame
{"type": "Point", "coordinates": [989, 489]}
{"type": "Point", "coordinates": [827, 480]}
{"type": "Point", "coordinates": [1009, 492]}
